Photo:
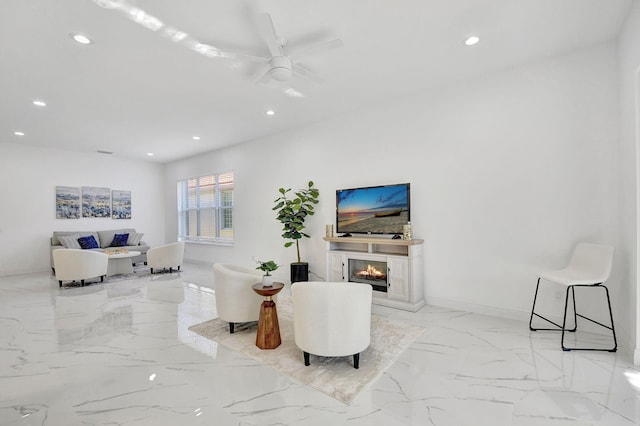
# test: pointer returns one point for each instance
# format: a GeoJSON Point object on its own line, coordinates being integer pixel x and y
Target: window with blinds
{"type": "Point", "coordinates": [205, 209]}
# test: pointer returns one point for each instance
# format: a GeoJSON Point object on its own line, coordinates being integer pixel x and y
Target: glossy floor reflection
{"type": "Point", "coordinates": [120, 353]}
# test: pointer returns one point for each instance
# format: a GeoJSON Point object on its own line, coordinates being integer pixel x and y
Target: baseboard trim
{"type": "Point", "coordinates": [199, 262]}
{"type": "Point", "coordinates": [494, 311]}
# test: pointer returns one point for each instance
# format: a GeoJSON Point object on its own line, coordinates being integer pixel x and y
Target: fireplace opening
{"type": "Point", "coordinates": [369, 272]}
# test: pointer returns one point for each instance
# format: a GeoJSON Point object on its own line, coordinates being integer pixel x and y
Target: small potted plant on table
{"type": "Point", "coordinates": [267, 267]}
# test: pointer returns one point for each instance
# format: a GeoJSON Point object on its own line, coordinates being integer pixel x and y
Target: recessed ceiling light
{"type": "Point", "coordinates": [150, 154]}
{"type": "Point", "coordinates": [80, 38]}
{"type": "Point", "coordinates": [196, 138]}
{"type": "Point", "coordinates": [39, 103]}
{"type": "Point", "coordinates": [270, 112]}
{"type": "Point", "coordinates": [471, 40]}
{"type": "Point", "coordinates": [18, 133]}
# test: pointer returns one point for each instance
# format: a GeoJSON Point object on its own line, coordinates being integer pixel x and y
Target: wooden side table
{"type": "Point", "coordinates": [268, 336]}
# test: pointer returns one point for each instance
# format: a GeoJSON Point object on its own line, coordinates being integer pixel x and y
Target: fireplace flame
{"type": "Point", "coordinates": [371, 271]}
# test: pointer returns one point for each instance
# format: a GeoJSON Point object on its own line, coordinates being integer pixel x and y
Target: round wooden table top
{"type": "Point", "coordinates": [267, 291]}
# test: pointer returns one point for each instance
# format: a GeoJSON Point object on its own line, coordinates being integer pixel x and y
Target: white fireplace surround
{"type": "Point", "coordinates": [404, 267]}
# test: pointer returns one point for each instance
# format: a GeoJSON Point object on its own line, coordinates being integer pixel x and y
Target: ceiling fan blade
{"type": "Point", "coordinates": [268, 33]}
{"type": "Point", "coordinates": [306, 73]}
{"type": "Point", "coordinates": [211, 51]}
{"type": "Point", "coordinates": [261, 76]}
{"type": "Point", "coordinates": [252, 58]}
{"type": "Point", "coordinates": [318, 48]}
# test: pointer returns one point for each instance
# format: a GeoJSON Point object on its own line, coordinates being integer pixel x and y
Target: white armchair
{"type": "Point", "coordinates": [166, 256]}
{"type": "Point", "coordinates": [236, 301]}
{"type": "Point", "coordinates": [79, 265]}
{"type": "Point", "coordinates": [332, 318]}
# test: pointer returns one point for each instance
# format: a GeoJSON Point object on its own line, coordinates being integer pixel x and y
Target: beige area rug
{"type": "Point", "coordinates": [335, 377]}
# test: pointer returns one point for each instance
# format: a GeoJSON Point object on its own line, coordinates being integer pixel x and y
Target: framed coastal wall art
{"type": "Point", "coordinates": [67, 202]}
{"type": "Point", "coordinates": [120, 204]}
{"type": "Point", "coordinates": [96, 202]}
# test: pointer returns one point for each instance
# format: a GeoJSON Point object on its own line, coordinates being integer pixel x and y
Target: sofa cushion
{"type": "Point", "coordinates": [69, 241]}
{"type": "Point", "coordinates": [106, 237]}
{"type": "Point", "coordinates": [119, 240]}
{"type": "Point", "coordinates": [55, 238]}
{"type": "Point", "coordinates": [88, 242]}
{"type": "Point", "coordinates": [134, 239]}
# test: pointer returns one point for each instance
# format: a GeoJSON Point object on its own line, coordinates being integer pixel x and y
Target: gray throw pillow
{"type": "Point", "coordinates": [134, 239]}
{"type": "Point", "coordinates": [70, 241]}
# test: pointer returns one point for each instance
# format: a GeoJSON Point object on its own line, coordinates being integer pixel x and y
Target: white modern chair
{"type": "Point", "coordinates": [236, 302]}
{"type": "Point", "coordinates": [79, 265]}
{"type": "Point", "coordinates": [589, 267]}
{"type": "Point", "coordinates": [166, 256]}
{"type": "Point", "coordinates": [332, 318]}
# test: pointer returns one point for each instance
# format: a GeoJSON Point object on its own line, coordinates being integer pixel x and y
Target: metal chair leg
{"type": "Point", "coordinates": [558, 327]}
{"type": "Point", "coordinates": [564, 317]}
{"type": "Point", "coordinates": [533, 308]}
{"type": "Point", "coordinates": [612, 328]}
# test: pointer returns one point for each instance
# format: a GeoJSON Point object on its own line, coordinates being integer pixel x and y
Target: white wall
{"type": "Point", "coordinates": [27, 217]}
{"type": "Point", "coordinates": [629, 161]}
{"type": "Point", "coordinates": [508, 172]}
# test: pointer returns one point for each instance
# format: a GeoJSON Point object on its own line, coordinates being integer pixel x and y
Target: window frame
{"type": "Point", "coordinates": [221, 205]}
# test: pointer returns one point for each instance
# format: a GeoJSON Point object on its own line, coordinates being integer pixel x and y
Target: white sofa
{"type": "Point", "coordinates": [332, 319]}
{"type": "Point", "coordinates": [104, 240]}
{"type": "Point", "coordinates": [236, 302]}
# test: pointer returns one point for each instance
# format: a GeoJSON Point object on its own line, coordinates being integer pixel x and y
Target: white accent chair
{"type": "Point", "coordinates": [79, 265]}
{"type": "Point", "coordinates": [332, 318]}
{"type": "Point", "coordinates": [589, 267]}
{"type": "Point", "coordinates": [166, 256]}
{"type": "Point", "coordinates": [236, 302]}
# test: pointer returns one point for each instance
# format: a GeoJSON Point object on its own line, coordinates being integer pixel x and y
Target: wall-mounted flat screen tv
{"type": "Point", "coordinates": [373, 209]}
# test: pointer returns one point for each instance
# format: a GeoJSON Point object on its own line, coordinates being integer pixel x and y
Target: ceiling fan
{"type": "Point", "coordinates": [281, 66]}
{"type": "Point", "coordinates": [275, 71]}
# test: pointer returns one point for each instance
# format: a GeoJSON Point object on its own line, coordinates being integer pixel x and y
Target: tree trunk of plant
{"type": "Point", "coordinates": [298, 251]}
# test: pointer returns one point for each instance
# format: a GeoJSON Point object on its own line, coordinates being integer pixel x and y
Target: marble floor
{"type": "Point", "coordinates": [120, 353]}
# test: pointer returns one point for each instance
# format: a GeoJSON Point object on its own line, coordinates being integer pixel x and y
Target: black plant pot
{"type": "Point", "coordinates": [299, 272]}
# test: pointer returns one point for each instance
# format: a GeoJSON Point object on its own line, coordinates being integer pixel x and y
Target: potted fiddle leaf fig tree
{"type": "Point", "coordinates": [292, 211]}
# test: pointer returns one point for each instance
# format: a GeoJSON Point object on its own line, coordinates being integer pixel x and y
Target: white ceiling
{"type": "Point", "coordinates": [134, 91]}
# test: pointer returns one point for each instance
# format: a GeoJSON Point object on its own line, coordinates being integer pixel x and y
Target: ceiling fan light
{"type": "Point", "coordinates": [281, 68]}
{"type": "Point", "coordinates": [281, 73]}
